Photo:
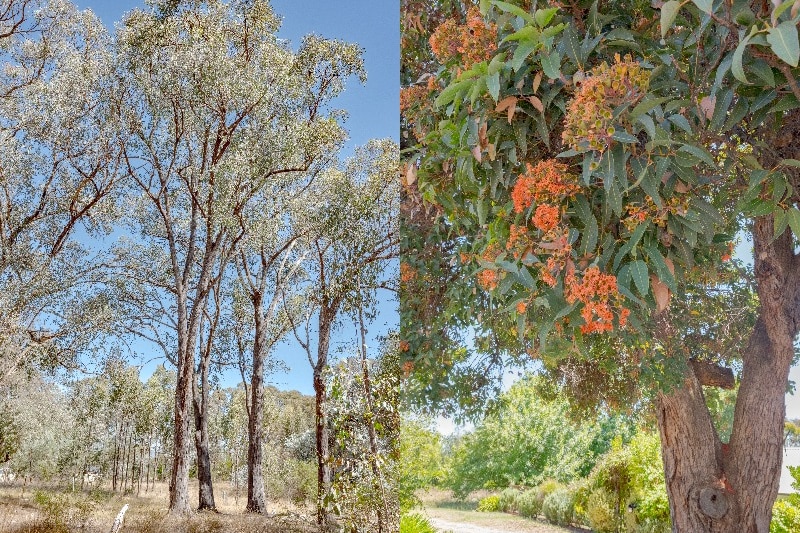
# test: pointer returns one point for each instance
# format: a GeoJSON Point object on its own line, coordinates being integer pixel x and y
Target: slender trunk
{"type": "Point", "coordinates": [256, 499]}
{"type": "Point", "coordinates": [327, 315]}
{"type": "Point", "coordinates": [116, 458]}
{"type": "Point", "coordinates": [730, 488]}
{"type": "Point", "coordinates": [324, 474]}
{"type": "Point", "coordinates": [201, 441]}
{"type": "Point", "coordinates": [382, 509]}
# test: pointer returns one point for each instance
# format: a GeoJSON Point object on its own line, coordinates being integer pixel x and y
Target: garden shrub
{"type": "Point", "coordinates": [528, 504]}
{"type": "Point", "coordinates": [557, 507]}
{"type": "Point", "coordinates": [785, 517]}
{"type": "Point", "coordinates": [508, 500]}
{"type": "Point", "coordinates": [489, 504]}
{"type": "Point", "coordinates": [601, 512]}
{"type": "Point", "coordinates": [415, 523]}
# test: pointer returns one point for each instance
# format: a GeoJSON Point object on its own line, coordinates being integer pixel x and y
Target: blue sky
{"type": "Point", "coordinates": [373, 113]}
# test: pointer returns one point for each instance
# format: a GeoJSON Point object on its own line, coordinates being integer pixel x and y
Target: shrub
{"type": "Point", "coordinates": [62, 512]}
{"type": "Point", "coordinates": [601, 511]}
{"type": "Point", "coordinates": [528, 504]}
{"type": "Point", "coordinates": [489, 504]}
{"type": "Point", "coordinates": [785, 516]}
{"type": "Point", "coordinates": [508, 500]}
{"type": "Point", "coordinates": [557, 507]}
{"type": "Point", "coordinates": [415, 523]}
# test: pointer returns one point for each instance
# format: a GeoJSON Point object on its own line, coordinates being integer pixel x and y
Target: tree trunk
{"type": "Point", "coordinates": [324, 474]}
{"type": "Point", "coordinates": [256, 499]}
{"type": "Point", "coordinates": [715, 487]}
{"type": "Point", "coordinates": [206, 488]}
{"type": "Point", "coordinates": [382, 509]}
{"type": "Point", "coordinates": [179, 477]}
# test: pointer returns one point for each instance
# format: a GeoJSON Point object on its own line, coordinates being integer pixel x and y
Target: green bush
{"type": "Point", "coordinates": [785, 516]}
{"type": "Point", "coordinates": [489, 504]}
{"type": "Point", "coordinates": [558, 507]}
{"type": "Point", "coordinates": [415, 523]}
{"type": "Point", "coordinates": [508, 500]}
{"type": "Point", "coordinates": [528, 504]}
{"type": "Point", "coordinates": [601, 511]}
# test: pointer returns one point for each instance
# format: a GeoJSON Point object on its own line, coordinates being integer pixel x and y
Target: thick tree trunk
{"type": "Point", "coordinates": [730, 488]}
{"type": "Point", "coordinates": [179, 478]}
{"type": "Point", "coordinates": [256, 499]}
{"type": "Point", "coordinates": [206, 487]}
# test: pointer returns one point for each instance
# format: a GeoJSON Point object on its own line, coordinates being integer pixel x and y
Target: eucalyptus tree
{"type": "Point", "coordinates": [351, 239]}
{"type": "Point", "coordinates": [59, 153]}
{"type": "Point", "coordinates": [216, 107]}
{"type": "Point", "coordinates": [268, 266]}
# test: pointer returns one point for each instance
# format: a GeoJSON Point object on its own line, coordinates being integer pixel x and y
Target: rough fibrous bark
{"type": "Point", "coordinates": [730, 488]}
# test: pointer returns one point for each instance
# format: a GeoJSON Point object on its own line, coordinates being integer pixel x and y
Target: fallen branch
{"type": "Point", "coordinates": [118, 520]}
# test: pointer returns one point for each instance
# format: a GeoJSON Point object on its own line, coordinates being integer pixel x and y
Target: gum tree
{"type": "Point", "coordinates": [349, 235]}
{"type": "Point", "coordinates": [59, 155]}
{"type": "Point", "coordinates": [216, 107]}
{"type": "Point", "coordinates": [585, 170]}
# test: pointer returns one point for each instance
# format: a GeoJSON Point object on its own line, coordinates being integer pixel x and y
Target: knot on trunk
{"type": "Point", "coordinates": [713, 502]}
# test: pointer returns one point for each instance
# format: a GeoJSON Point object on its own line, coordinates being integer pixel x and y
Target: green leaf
{"type": "Point", "coordinates": [783, 40]}
{"type": "Point", "coordinates": [551, 64]}
{"type": "Point", "coordinates": [738, 54]}
{"type": "Point", "coordinates": [514, 10]}
{"type": "Point", "coordinates": [493, 84]}
{"type": "Point", "coordinates": [624, 137]}
{"type": "Point", "coordinates": [706, 6]}
{"type": "Point", "coordinates": [544, 16]}
{"type": "Point", "coordinates": [640, 276]}
{"type": "Point", "coordinates": [668, 13]}
{"type": "Point", "coordinates": [790, 163]}
{"type": "Point", "coordinates": [699, 153]}
{"type": "Point", "coordinates": [662, 270]}
{"type": "Point", "coordinates": [522, 52]}
{"type": "Point", "coordinates": [793, 214]}
{"type": "Point", "coordinates": [527, 33]}
{"type": "Point", "coordinates": [781, 221]}
{"type": "Point", "coordinates": [450, 92]}
{"type": "Point", "coordinates": [647, 104]}
{"type": "Point", "coordinates": [590, 234]}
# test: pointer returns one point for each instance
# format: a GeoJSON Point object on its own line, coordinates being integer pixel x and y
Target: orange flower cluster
{"type": "Point", "coordinates": [518, 241]}
{"type": "Point", "coordinates": [589, 118]}
{"type": "Point", "coordinates": [407, 273]}
{"type": "Point", "coordinates": [547, 182]}
{"type": "Point", "coordinates": [411, 97]}
{"type": "Point", "coordinates": [469, 43]}
{"type": "Point", "coordinates": [408, 367]}
{"type": "Point", "coordinates": [546, 217]}
{"type": "Point", "coordinates": [488, 278]}
{"type": "Point", "coordinates": [595, 291]}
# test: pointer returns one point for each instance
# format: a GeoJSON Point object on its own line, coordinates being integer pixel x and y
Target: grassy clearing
{"type": "Point", "coordinates": [56, 510]}
{"type": "Point", "coordinates": [440, 505]}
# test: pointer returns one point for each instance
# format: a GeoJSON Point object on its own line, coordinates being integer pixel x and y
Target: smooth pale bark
{"type": "Point", "coordinates": [730, 488]}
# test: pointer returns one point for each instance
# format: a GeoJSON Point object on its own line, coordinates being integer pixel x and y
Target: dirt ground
{"type": "Point", "coordinates": [20, 512]}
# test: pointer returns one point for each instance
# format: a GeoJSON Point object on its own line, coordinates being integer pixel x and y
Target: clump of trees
{"type": "Point", "coordinates": [205, 151]}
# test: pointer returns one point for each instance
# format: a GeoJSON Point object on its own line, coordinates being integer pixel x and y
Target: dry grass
{"type": "Point", "coordinates": [61, 511]}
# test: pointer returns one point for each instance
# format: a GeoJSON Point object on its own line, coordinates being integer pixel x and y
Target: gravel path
{"type": "Point", "coordinates": [457, 527]}
{"type": "Point", "coordinates": [449, 522]}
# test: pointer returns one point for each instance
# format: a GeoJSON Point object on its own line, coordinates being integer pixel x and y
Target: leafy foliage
{"type": "Point", "coordinates": [524, 441]}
